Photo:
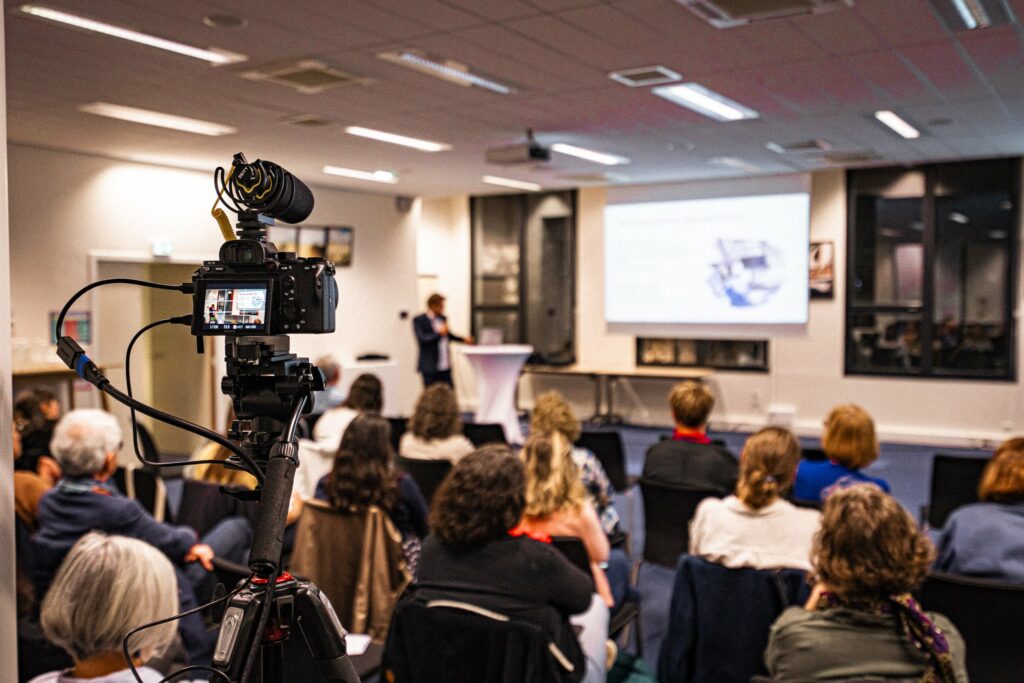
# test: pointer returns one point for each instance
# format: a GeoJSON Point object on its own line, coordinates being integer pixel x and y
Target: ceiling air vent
{"type": "Point", "coordinates": [645, 75]}
{"type": "Point", "coordinates": [308, 76]}
{"type": "Point", "coordinates": [306, 120]}
{"type": "Point", "coordinates": [801, 147]}
{"type": "Point", "coordinates": [730, 13]}
{"type": "Point", "coordinates": [863, 156]}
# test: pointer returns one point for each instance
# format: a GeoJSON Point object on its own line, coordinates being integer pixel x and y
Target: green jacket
{"type": "Point", "coordinates": [841, 644]}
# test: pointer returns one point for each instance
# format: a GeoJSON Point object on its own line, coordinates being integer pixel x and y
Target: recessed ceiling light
{"type": "Point", "coordinates": [589, 154]}
{"type": "Point", "coordinates": [704, 101]}
{"type": "Point", "coordinates": [897, 124]}
{"type": "Point", "coordinates": [738, 164]}
{"type": "Point", "coordinates": [372, 176]}
{"type": "Point", "coordinates": [510, 182]}
{"type": "Point", "coordinates": [395, 139]}
{"type": "Point", "coordinates": [211, 55]}
{"type": "Point", "coordinates": [228, 22]}
{"type": "Point", "coordinates": [451, 71]}
{"type": "Point", "coordinates": [958, 217]}
{"type": "Point", "coordinates": [156, 118]}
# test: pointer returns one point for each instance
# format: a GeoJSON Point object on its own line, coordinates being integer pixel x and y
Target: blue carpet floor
{"type": "Point", "coordinates": [907, 468]}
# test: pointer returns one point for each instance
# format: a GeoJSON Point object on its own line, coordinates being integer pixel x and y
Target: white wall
{"type": "Point", "coordinates": [64, 206]}
{"type": "Point", "coordinates": [806, 375]}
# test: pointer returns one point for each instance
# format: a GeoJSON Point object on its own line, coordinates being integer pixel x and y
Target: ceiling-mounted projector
{"type": "Point", "coordinates": [527, 152]}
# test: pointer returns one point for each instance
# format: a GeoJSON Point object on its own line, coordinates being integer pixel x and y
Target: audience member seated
{"type": "Point", "coordinates": [476, 555]}
{"type": "Point", "coordinates": [331, 396]}
{"type": "Point", "coordinates": [107, 586]}
{"type": "Point", "coordinates": [986, 539]}
{"type": "Point", "coordinates": [551, 413]}
{"type": "Point", "coordinates": [861, 621]}
{"type": "Point", "coordinates": [849, 442]}
{"type": "Point", "coordinates": [757, 527]}
{"type": "Point", "coordinates": [689, 460]}
{"type": "Point", "coordinates": [317, 456]}
{"type": "Point", "coordinates": [29, 487]}
{"type": "Point", "coordinates": [435, 430]}
{"type": "Point", "coordinates": [364, 474]}
{"type": "Point", "coordinates": [35, 414]}
{"type": "Point", "coordinates": [557, 504]}
{"type": "Point", "coordinates": [85, 444]}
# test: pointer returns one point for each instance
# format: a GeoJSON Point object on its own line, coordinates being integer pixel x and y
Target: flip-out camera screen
{"type": "Point", "coordinates": [235, 307]}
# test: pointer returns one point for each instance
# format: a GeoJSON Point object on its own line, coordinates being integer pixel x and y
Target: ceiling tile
{"type": "Point", "coordinates": [943, 65]}
{"type": "Point", "coordinates": [840, 32]}
{"type": "Point", "coordinates": [889, 75]}
{"type": "Point", "coordinates": [902, 22]}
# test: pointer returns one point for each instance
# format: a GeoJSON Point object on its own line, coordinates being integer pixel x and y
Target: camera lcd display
{"type": "Point", "coordinates": [235, 307]}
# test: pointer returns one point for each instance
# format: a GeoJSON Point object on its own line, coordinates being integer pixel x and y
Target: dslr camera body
{"type": "Point", "coordinates": [255, 290]}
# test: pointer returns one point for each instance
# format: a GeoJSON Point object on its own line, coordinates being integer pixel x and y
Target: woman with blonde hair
{"type": "Point", "coordinates": [557, 503]}
{"type": "Point", "coordinates": [861, 621]}
{"type": "Point", "coordinates": [435, 430]}
{"type": "Point", "coordinates": [552, 413]}
{"type": "Point", "coordinates": [986, 539]}
{"type": "Point", "coordinates": [850, 444]}
{"type": "Point", "coordinates": [757, 527]}
{"type": "Point", "coordinates": [106, 587]}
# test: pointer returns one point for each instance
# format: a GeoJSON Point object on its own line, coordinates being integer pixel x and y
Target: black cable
{"type": "Point", "coordinates": [195, 667]}
{"type": "Point", "coordinates": [175, 617]}
{"type": "Point", "coordinates": [187, 288]}
{"type": "Point", "coordinates": [181, 320]}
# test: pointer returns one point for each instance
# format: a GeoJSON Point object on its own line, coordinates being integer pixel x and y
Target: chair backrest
{"type": "Point", "coordinates": [667, 515]}
{"type": "Point", "coordinates": [484, 433]}
{"type": "Point", "coordinates": [954, 483]}
{"type": "Point", "coordinates": [355, 558]}
{"type": "Point", "coordinates": [449, 640]}
{"type": "Point", "coordinates": [203, 505]}
{"type": "Point", "coordinates": [720, 619]}
{"type": "Point", "coordinates": [814, 454]}
{"type": "Point", "coordinates": [399, 425]}
{"type": "Point", "coordinates": [988, 615]}
{"type": "Point", "coordinates": [428, 474]}
{"type": "Point", "coordinates": [608, 449]}
{"type": "Point", "coordinates": [574, 550]}
{"type": "Point", "coordinates": [145, 487]}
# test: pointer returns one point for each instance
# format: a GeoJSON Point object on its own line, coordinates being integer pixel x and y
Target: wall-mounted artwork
{"type": "Point", "coordinates": [333, 243]}
{"type": "Point", "coordinates": [821, 261]}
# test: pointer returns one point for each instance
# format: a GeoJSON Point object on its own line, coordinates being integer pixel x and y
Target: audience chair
{"type": "Point", "coordinates": [813, 454]}
{"type": "Point", "coordinates": [144, 486]}
{"type": "Point", "coordinates": [399, 425]}
{"type": "Point", "coordinates": [482, 433]}
{"type": "Point", "coordinates": [988, 615]}
{"type": "Point", "coordinates": [203, 505]}
{"type": "Point", "coordinates": [449, 640]}
{"type": "Point", "coordinates": [667, 515]}
{"type": "Point", "coordinates": [607, 447]}
{"type": "Point", "coordinates": [627, 613]}
{"type": "Point", "coordinates": [355, 558]}
{"type": "Point", "coordinates": [720, 618]}
{"type": "Point", "coordinates": [428, 474]}
{"type": "Point", "coordinates": [954, 483]}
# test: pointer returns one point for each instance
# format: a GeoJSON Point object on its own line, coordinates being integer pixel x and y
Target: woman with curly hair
{"type": "Point", "coordinates": [435, 430]}
{"type": "Point", "coordinates": [756, 527]}
{"type": "Point", "coordinates": [861, 621]}
{"type": "Point", "coordinates": [364, 474]}
{"type": "Point", "coordinates": [552, 413]}
{"type": "Point", "coordinates": [986, 539]}
{"type": "Point", "coordinates": [477, 555]}
{"type": "Point", "coordinates": [557, 503]}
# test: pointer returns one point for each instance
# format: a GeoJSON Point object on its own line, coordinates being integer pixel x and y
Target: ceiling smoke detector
{"type": "Point", "coordinates": [308, 77]}
{"type": "Point", "coordinates": [730, 13]}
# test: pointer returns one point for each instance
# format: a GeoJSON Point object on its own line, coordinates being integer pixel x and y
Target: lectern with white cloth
{"type": "Point", "coordinates": [497, 368]}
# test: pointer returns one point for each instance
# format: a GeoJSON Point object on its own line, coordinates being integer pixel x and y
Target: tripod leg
{"type": "Point", "coordinates": [324, 634]}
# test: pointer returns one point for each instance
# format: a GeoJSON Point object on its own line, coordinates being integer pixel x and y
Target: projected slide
{"type": "Point", "coordinates": [707, 261]}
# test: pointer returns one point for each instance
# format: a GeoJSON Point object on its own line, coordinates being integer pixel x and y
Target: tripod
{"type": "Point", "coordinates": [270, 388]}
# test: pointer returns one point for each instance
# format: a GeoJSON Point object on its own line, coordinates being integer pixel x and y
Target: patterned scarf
{"type": "Point", "coordinates": [926, 637]}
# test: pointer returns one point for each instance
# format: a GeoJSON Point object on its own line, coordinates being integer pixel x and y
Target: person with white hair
{"type": "Point", "coordinates": [85, 444]}
{"type": "Point", "coordinates": [331, 396]}
{"type": "Point", "coordinates": [106, 587]}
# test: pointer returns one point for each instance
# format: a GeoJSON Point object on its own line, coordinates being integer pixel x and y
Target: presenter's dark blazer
{"type": "Point", "coordinates": [429, 341]}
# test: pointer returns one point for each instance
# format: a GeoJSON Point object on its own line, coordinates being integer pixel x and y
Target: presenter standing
{"type": "Point", "coordinates": [433, 335]}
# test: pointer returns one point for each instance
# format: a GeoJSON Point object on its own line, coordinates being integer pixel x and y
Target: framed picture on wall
{"type": "Point", "coordinates": [340, 242]}
{"type": "Point", "coordinates": [821, 261]}
{"type": "Point", "coordinates": [333, 243]}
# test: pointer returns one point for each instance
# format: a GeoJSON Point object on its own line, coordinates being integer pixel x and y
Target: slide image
{"type": "Point", "coordinates": [749, 273]}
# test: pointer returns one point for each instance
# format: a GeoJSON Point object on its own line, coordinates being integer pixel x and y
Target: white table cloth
{"type": "Point", "coordinates": [497, 369]}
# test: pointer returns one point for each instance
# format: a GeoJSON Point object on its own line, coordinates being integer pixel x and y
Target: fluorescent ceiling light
{"type": "Point", "coordinates": [897, 125]}
{"type": "Point", "coordinates": [372, 176]}
{"type": "Point", "coordinates": [448, 70]}
{"type": "Point", "coordinates": [588, 154]}
{"type": "Point", "coordinates": [212, 56]}
{"type": "Point", "coordinates": [972, 14]}
{"type": "Point", "coordinates": [155, 118]}
{"type": "Point", "coordinates": [509, 182]}
{"type": "Point", "coordinates": [415, 143]}
{"type": "Point", "coordinates": [704, 101]}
